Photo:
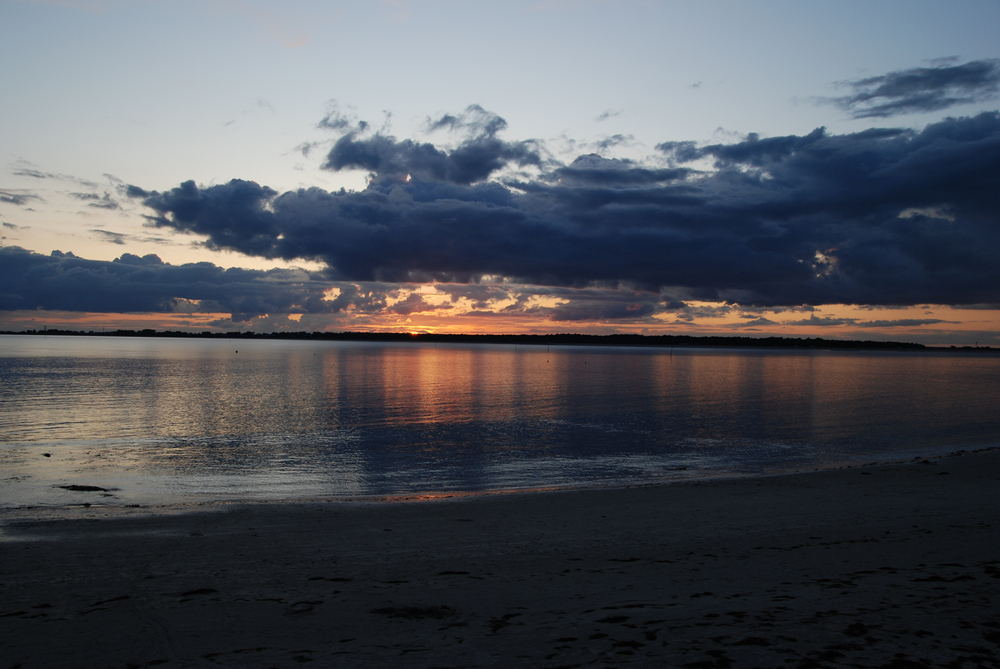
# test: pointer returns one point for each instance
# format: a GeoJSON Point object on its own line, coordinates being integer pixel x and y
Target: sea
{"type": "Point", "coordinates": [144, 421]}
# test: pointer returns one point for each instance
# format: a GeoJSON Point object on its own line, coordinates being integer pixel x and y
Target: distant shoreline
{"type": "Point", "coordinates": [560, 339]}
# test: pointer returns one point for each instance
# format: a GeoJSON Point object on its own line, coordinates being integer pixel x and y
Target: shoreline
{"type": "Point", "coordinates": [884, 565]}
{"type": "Point", "coordinates": [111, 510]}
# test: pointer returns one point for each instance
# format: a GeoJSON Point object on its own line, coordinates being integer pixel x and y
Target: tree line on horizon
{"type": "Point", "coordinates": [632, 340]}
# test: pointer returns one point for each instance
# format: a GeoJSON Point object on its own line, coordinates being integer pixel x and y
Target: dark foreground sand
{"type": "Point", "coordinates": [884, 566]}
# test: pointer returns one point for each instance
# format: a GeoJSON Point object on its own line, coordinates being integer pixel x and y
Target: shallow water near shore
{"type": "Point", "coordinates": [101, 420]}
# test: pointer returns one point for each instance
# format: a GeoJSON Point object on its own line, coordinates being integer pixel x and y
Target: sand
{"type": "Point", "coordinates": [880, 566]}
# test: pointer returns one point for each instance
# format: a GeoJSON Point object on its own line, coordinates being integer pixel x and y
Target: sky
{"type": "Point", "coordinates": [759, 169]}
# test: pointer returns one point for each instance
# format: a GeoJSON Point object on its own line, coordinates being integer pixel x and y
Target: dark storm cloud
{"type": "Point", "coordinates": [476, 158]}
{"type": "Point", "coordinates": [679, 152]}
{"type": "Point", "coordinates": [594, 170]}
{"type": "Point", "coordinates": [586, 310]}
{"type": "Point", "coordinates": [921, 89]}
{"type": "Point", "coordinates": [62, 281]}
{"type": "Point", "coordinates": [235, 215]}
{"type": "Point", "coordinates": [881, 217]}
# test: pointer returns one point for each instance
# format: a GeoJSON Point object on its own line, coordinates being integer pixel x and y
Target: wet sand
{"type": "Point", "coordinates": [880, 566]}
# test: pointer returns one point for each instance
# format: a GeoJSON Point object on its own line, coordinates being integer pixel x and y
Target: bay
{"type": "Point", "coordinates": [173, 421]}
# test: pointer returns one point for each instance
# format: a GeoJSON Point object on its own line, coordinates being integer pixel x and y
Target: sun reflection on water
{"type": "Point", "coordinates": [162, 419]}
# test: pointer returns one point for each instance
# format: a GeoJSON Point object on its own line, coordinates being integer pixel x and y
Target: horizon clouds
{"type": "Point", "coordinates": [884, 217]}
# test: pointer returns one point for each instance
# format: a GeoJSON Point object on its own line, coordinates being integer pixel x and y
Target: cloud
{"type": "Point", "coordinates": [602, 305]}
{"type": "Point", "coordinates": [921, 89]}
{"type": "Point", "coordinates": [830, 321]}
{"type": "Point", "coordinates": [62, 281]}
{"type": "Point", "coordinates": [981, 307]}
{"type": "Point", "coordinates": [901, 323]}
{"type": "Point", "coordinates": [339, 121]}
{"type": "Point", "coordinates": [613, 141]}
{"type": "Point", "coordinates": [475, 121]}
{"type": "Point", "coordinates": [25, 169]}
{"type": "Point", "coordinates": [583, 311]}
{"type": "Point", "coordinates": [414, 303]}
{"type": "Point", "coordinates": [121, 238]}
{"type": "Point", "coordinates": [782, 221]}
{"type": "Point", "coordinates": [756, 322]}
{"type": "Point", "coordinates": [236, 214]}
{"type": "Point", "coordinates": [592, 169]}
{"type": "Point", "coordinates": [33, 173]}
{"type": "Point", "coordinates": [823, 321]}
{"type": "Point", "coordinates": [475, 159]}
{"type": "Point", "coordinates": [95, 196]}
{"type": "Point", "coordinates": [21, 198]}
{"type": "Point", "coordinates": [113, 237]}
{"type": "Point", "coordinates": [97, 201]}
{"type": "Point", "coordinates": [689, 313]}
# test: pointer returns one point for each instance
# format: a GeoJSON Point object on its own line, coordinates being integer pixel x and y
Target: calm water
{"type": "Point", "coordinates": [160, 420]}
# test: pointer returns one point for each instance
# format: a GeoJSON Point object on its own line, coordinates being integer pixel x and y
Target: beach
{"type": "Point", "coordinates": [887, 565]}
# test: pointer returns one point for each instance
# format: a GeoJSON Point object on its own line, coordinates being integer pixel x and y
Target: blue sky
{"type": "Point", "coordinates": [101, 95]}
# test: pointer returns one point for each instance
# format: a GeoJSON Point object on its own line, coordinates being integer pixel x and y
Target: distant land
{"type": "Point", "coordinates": [564, 339]}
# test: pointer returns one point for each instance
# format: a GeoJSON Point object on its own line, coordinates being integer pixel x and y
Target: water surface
{"type": "Point", "coordinates": [182, 420]}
